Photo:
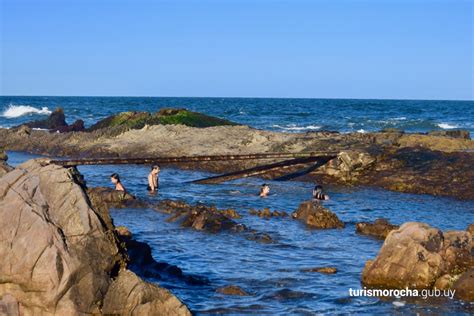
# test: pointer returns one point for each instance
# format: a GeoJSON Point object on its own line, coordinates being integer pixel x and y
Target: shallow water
{"type": "Point", "coordinates": [272, 272]}
{"type": "Point", "coordinates": [291, 115]}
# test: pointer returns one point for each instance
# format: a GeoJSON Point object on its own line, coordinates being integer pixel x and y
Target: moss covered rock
{"type": "Point", "coordinates": [137, 120]}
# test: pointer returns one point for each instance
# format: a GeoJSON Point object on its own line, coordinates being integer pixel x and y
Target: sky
{"type": "Point", "coordinates": [371, 49]}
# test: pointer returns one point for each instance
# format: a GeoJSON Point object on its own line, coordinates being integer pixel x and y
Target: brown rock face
{"type": "Point", "coordinates": [315, 215]}
{"type": "Point", "coordinates": [58, 255]}
{"type": "Point", "coordinates": [416, 256]}
{"type": "Point", "coordinates": [378, 229]}
{"type": "Point", "coordinates": [464, 286]}
{"type": "Point", "coordinates": [232, 290]}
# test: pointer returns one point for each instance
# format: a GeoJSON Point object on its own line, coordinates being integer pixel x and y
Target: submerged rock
{"type": "Point", "coordinates": [315, 215]}
{"type": "Point", "coordinates": [58, 254]}
{"type": "Point", "coordinates": [266, 213]}
{"type": "Point", "coordinates": [232, 290]}
{"type": "Point", "coordinates": [325, 270]}
{"type": "Point", "coordinates": [417, 255]}
{"type": "Point", "coordinates": [378, 229]}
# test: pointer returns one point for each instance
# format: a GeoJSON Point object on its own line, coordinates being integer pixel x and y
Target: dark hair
{"type": "Point", "coordinates": [264, 185]}
{"type": "Point", "coordinates": [115, 176]}
{"type": "Point", "coordinates": [155, 167]}
{"type": "Point", "coordinates": [318, 187]}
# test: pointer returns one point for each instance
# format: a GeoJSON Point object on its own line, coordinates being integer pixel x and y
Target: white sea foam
{"type": "Point", "coordinates": [447, 126]}
{"type": "Point", "coordinates": [361, 131]}
{"type": "Point", "coordinates": [14, 111]}
{"type": "Point", "coordinates": [293, 127]}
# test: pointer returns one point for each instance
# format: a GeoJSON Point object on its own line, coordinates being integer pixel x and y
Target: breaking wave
{"type": "Point", "coordinates": [14, 111]}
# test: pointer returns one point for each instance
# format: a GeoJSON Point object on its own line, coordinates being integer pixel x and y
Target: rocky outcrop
{"type": "Point", "coordinates": [108, 198]}
{"type": "Point", "coordinates": [59, 256]}
{"type": "Point", "coordinates": [316, 216]}
{"type": "Point", "coordinates": [406, 162]}
{"type": "Point", "coordinates": [56, 122]}
{"type": "Point", "coordinates": [378, 229]}
{"type": "Point", "coordinates": [417, 256]}
{"type": "Point", "coordinates": [137, 120]}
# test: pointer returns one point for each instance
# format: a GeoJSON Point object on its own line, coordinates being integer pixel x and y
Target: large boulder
{"type": "Point", "coordinates": [316, 216]}
{"type": "Point", "coordinates": [416, 256]}
{"type": "Point", "coordinates": [464, 286]}
{"type": "Point", "coordinates": [378, 229]}
{"type": "Point", "coordinates": [58, 255]}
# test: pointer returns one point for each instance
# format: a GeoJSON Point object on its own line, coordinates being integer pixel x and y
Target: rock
{"type": "Point", "coordinates": [232, 290]}
{"type": "Point", "coordinates": [123, 232]}
{"type": "Point", "coordinates": [130, 295]}
{"type": "Point", "coordinates": [266, 213]}
{"type": "Point", "coordinates": [199, 217]}
{"type": "Point", "coordinates": [110, 198]}
{"type": "Point", "coordinates": [463, 134]}
{"type": "Point", "coordinates": [9, 305]}
{"type": "Point", "coordinates": [138, 120]}
{"type": "Point", "coordinates": [379, 229]}
{"type": "Point", "coordinates": [444, 282]}
{"type": "Point", "coordinates": [77, 126]}
{"type": "Point", "coordinates": [416, 256]}
{"type": "Point", "coordinates": [325, 270]}
{"type": "Point", "coordinates": [464, 286]}
{"type": "Point", "coordinates": [56, 120]}
{"type": "Point", "coordinates": [315, 215]}
{"type": "Point", "coordinates": [58, 254]}
{"type": "Point", "coordinates": [470, 229]}
{"type": "Point", "coordinates": [348, 165]}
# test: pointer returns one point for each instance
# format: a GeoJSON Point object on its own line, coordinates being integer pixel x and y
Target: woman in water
{"type": "Point", "coordinates": [264, 190]}
{"type": "Point", "coordinates": [115, 178]}
{"type": "Point", "coordinates": [153, 179]}
{"type": "Point", "coordinates": [318, 193]}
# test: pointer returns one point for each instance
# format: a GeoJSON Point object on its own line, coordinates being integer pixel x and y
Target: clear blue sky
{"type": "Point", "coordinates": [417, 49]}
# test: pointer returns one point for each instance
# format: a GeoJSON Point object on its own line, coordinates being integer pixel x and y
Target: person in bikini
{"type": "Point", "coordinates": [115, 179]}
{"type": "Point", "coordinates": [318, 193]}
{"type": "Point", "coordinates": [153, 179]}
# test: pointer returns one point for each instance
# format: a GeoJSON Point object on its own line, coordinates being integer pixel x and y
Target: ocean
{"type": "Point", "coordinates": [289, 115]}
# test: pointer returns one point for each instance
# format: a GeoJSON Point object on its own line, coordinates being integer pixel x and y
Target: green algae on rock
{"type": "Point", "coordinates": [137, 120]}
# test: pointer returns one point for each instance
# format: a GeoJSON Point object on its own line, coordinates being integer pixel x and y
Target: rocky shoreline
{"type": "Point", "coordinates": [438, 163]}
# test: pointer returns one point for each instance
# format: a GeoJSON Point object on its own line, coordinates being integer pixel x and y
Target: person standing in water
{"type": "Point", "coordinates": [115, 178]}
{"type": "Point", "coordinates": [153, 179]}
{"type": "Point", "coordinates": [318, 193]}
{"type": "Point", "coordinates": [264, 190]}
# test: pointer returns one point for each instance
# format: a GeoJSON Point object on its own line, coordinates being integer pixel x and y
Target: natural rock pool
{"type": "Point", "coordinates": [272, 272]}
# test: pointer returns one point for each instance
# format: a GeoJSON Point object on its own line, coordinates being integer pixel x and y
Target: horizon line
{"type": "Point", "coordinates": [233, 97]}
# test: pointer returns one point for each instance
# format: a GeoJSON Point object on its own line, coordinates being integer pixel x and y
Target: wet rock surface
{"type": "Point", "coordinates": [316, 216]}
{"type": "Point", "coordinates": [60, 256]}
{"type": "Point", "coordinates": [324, 270]}
{"type": "Point", "coordinates": [4, 167]}
{"type": "Point", "coordinates": [267, 213]}
{"type": "Point", "coordinates": [232, 290]}
{"type": "Point", "coordinates": [419, 256]}
{"type": "Point", "coordinates": [380, 228]}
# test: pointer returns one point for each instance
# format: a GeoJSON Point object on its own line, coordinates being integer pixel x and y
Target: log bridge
{"type": "Point", "coordinates": [316, 159]}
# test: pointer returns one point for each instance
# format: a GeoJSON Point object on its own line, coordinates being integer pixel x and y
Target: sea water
{"type": "Point", "coordinates": [272, 273]}
{"type": "Point", "coordinates": [291, 115]}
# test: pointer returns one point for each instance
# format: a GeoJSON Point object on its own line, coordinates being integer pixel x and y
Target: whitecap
{"type": "Point", "coordinates": [14, 111]}
{"type": "Point", "coordinates": [361, 131]}
{"type": "Point", "coordinates": [447, 126]}
{"type": "Point", "coordinates": [399, 303]}
{"type": "Point", "coordinates": [293, 127]}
